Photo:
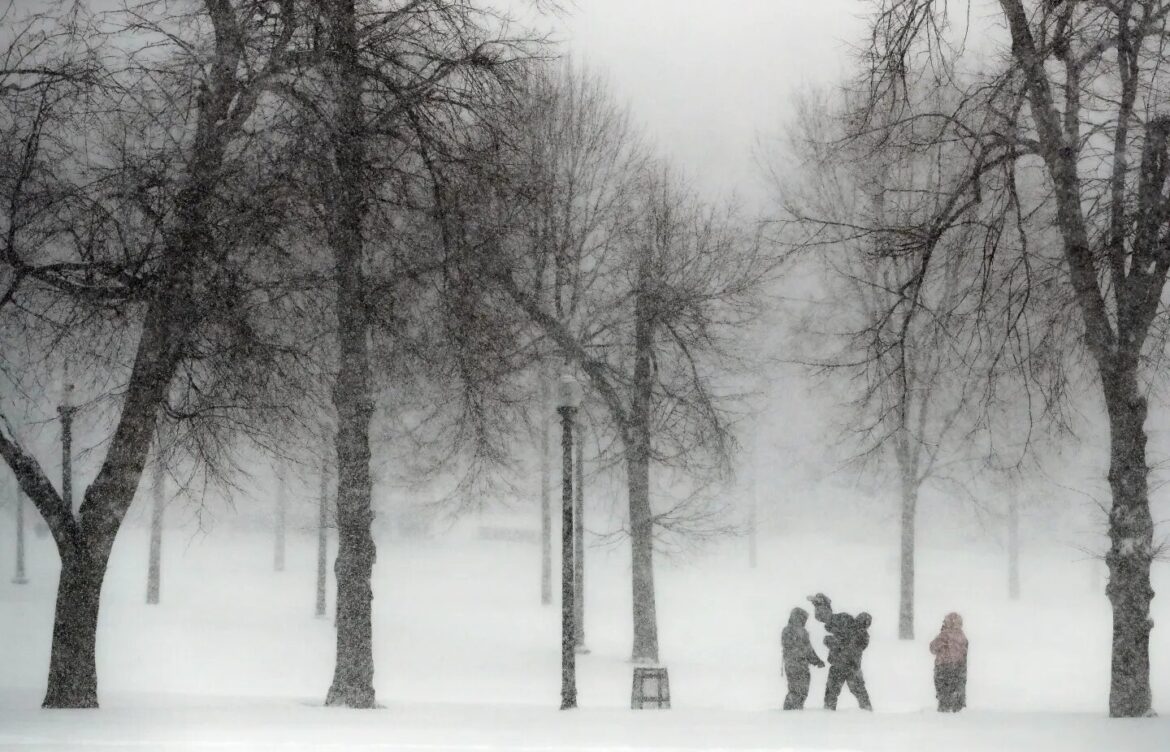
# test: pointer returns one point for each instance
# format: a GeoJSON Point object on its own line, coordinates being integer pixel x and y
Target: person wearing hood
{"type": "Point", "coordinates": [798, 655]}
{"type": "Point", "coordinates": [950, 665]}
{"type": "Point", "coordinates": [847, 639]}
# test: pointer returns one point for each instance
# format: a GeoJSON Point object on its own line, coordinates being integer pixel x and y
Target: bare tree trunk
{"type": "Point", "coordinates": [84, 541]}
{"type": "Point", "coordinates": [72, 668]}
{"type": "Point", "coordinates": [20, 578]}
{"type": "Point", "coordinates": [642, 545]}
{"type": "Point", "coordinates": [906, 589]}
{"type": "Point", "coordinates": [1131, 546]}
{"type": "Point", "coordinates": [281, 519]}
{"type": "Point", "coordinates": [1014, 544]}
{"type": "Point", "coordinates": [568, 633]}
{"type": "Point", "coordinates": [322, 539]}
{"type": "Point", "coordinates": [579, 544]}
{"type": "Point", "coordinates": [154, 564]}
{"type": "Point", "coordinates": [638, 471]}
{"type": "Point", "coordinates": [545, 502]}
{"type": "Point", "coordinates": [353, 678]}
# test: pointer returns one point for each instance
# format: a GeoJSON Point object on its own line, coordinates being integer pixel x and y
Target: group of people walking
{"type": "Point", "coordinates": [847, 637]}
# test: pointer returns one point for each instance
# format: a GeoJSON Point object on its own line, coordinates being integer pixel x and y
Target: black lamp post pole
{"type": "Point", "coordinates": [66, 411]}
{"type": "Point", "coordinates": [579, 546]}
{"type": "Point", "coordinates": [568, 636]}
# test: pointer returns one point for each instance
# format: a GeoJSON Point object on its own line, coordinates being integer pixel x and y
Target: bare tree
{"type": "Point", "coordinates": [901, 338]}
{"type": "Point", "coordinates": [394, 88]}
{"type": "Point", "coordinates": [654, 285]}
{"type": "Point", "coordinates": [124, 248]}
{"type": "Point", "coordinates": [1075, 96]}
{"type": "Point", "coordinates": [353, 678]}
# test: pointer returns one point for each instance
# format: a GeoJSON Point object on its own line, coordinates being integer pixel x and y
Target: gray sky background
{"type": "Point", "coordinates": [706, 77]}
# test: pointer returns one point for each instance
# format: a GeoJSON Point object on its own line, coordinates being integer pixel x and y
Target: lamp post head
{"type": "Point", "coordinates": [568, 392]}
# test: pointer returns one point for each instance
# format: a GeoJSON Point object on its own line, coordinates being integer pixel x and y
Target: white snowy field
{"type": "Point", "coordinates": [468, 659]}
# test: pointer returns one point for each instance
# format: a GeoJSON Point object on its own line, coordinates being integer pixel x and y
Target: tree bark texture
{"type": "Point", "coordinates": [1130, 548]}
{"type": "Point", "coordinates": [72, 666]}
{"type": "Point", "coordinates": [568, 572]}
{"type": "Point", "coordinates": [353, 678]}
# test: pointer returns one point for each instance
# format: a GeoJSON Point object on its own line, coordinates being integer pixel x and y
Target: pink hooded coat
{"type": "Point", "coordinates": [950, 647]}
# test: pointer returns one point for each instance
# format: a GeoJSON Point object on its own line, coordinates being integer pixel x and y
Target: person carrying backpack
{"type": "Point", "coordinates": [847, 639]}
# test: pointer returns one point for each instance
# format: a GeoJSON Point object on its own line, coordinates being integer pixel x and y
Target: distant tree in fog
{"type": "Point", "coordinates": [894, 334]}
{"type": "Point", "coordinates": [651, 290]}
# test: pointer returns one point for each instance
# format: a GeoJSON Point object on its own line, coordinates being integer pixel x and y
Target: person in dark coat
{"type": "Point", "coordinates": [950, 665]}
{"type": "Point", "coordinates": [798, 654]}
{"type": "Point", "coordinates": [847, 639]}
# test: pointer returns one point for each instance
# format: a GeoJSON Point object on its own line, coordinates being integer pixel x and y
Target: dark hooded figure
{"type": "Point", "coordinates": [798, 654]}
{"type": "Point", "coordinates": [847, 639]}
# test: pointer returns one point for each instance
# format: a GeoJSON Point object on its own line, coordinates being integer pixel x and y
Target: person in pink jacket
{"type": "Point", "coordinates": [950, 665]}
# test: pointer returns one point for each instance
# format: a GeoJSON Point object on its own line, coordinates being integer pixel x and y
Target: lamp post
{"type": "Point", "coordinates": [568, 399]}
{"type": "Point", "coordinates": [66, 410]}
{"type": "Point", "coordinates": [579, 546]}
{"type": "Point", "coordinates": [19, 578]}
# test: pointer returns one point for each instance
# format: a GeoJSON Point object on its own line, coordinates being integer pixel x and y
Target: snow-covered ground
{"type": "Point", "coordinates": [468, 659]}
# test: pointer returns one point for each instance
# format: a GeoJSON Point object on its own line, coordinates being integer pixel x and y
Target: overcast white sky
{"type": "Point", "coordinates": [705, 77]}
